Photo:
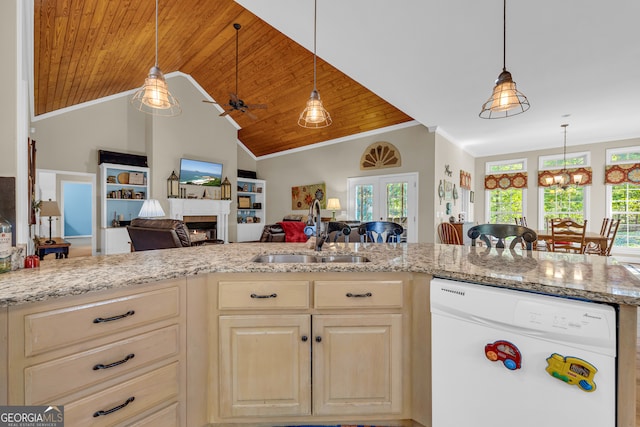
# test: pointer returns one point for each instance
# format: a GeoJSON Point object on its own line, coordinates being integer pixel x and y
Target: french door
{"type": "Point", "coordinates": [386, 198]}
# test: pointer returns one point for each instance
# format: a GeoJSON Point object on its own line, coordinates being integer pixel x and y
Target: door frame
{"type": "Point", "coordinates": [376, 181]}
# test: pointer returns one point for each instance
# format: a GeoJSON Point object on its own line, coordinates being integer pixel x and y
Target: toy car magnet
{"type": "Point", "coordinates": [506, 352]}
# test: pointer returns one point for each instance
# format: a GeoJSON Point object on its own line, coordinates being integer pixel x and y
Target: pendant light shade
{"type": "Point", "coordinates": [506, 100]}
{"type": "Point", "coordinates": [154, 97]}
{"type": "Point", "coordinates": [314, 115]}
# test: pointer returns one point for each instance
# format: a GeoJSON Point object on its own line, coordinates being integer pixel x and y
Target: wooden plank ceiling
{"type": "Point", "coordinates": [88, 49]}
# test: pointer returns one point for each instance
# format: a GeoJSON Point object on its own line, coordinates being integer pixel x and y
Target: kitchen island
{"type": "Point", "coordinates": [185, 274]}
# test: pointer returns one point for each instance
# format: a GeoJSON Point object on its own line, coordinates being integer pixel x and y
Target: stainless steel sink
{"type": "Point", "coordinates": [285, 258]}
{"type": "Point", "coordinates": [344, 258]}
{"type": "Point", "coordinates": [306, 259]}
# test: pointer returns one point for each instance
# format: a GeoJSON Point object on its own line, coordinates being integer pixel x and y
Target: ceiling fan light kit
{"type": "Point", "coordinates": [154, 97]}
{"type": "Point", "coordinates": [314, 115]}
{"type": "Point", "coordinates": [506, 100]}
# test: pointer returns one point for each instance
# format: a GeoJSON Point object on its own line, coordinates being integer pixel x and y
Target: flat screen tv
{"type": "Point", "coordinates": [197, 172]}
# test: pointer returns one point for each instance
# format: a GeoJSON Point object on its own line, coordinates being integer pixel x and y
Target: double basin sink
{"type": "Point", "coordinates": [307, 259]}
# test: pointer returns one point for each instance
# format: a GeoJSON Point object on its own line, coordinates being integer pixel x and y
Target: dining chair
{"type": "Point", "coordinates": [337, 229]}
{"type": "Point", "coordinates": [380, 232]}
{"type": "Point", "coordinates": [611, 236]}
{"type": "Point", "coordinates": [567, 235]}
{"type": "Point", "coordinates": [594, 248]}
{"type": "Point", "coordinates": [448, 234]}
{"type": "Point", "coordinates": [521, 220]}
{"type": "Point", "coordinates": [501, 232]}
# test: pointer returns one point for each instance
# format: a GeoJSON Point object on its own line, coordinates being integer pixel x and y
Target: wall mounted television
{"type": "Point", "coordinates": [197, 172]}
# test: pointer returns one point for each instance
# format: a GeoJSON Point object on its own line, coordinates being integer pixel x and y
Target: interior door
{"type": "Point", "coordinates": [386, 198]}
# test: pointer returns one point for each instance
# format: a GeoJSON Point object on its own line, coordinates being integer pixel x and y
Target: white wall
{"type": "Point", "coordinates": [8, 89]}
{"type": "Point", "coordinates": [333, 164]}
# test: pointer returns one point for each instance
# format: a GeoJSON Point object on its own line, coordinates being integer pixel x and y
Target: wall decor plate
{"type": "Point", "coordinates": [123, 178]}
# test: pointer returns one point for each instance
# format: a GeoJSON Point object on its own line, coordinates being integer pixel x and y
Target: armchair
{"type": "Point", "coordinates": [150, 234]}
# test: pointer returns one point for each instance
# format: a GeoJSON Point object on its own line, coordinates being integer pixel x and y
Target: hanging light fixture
{"type": "Point", "coordinates": [314, 115]}
{"type": "Point", "coordinates": [505, 101]}
{"type": "Point", "coordinates": [563, 179]}
{"type": "Point", "coordinates": [154, 97]}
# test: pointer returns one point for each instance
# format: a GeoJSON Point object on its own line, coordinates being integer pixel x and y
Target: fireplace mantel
{"type": "Point", "coordinates": [178, 208]}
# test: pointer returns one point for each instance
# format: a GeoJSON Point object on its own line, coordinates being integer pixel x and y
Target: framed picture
{"type": "Point", "coordinates": [302, 196]}
{"type": "Point", "coordinates": [448, 190]}
{"type": "Point", "coordinates": [244, 202]}
{"type": "Point", "coordinates": [249, 220]}
{"type": "Point", "coordinates": [257, 206]}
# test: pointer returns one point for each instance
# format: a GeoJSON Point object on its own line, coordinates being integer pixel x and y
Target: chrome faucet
{"type": "Point", "coordinates": [314, 225]}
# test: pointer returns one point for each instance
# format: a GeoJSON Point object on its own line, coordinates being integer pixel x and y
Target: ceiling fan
{"type": "Point", "coordinates": [235, 103]}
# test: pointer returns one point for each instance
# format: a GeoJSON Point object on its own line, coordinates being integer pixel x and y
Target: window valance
{"type": "Point", "coordinates": [620, 174]}
{"type": "Point", "coordinates": [505, 181]}
{"type": "Point", "coordinates": [585, 172]}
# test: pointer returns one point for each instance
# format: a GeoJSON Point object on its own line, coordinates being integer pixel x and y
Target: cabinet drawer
{"type": "Point", "coordinates": [358, 293]}
{"type": "Point", "coordinates": [255, 295]}
{"type": "Point", "coordinates": [46, 382]}
{"type": "Point", "coordinates": [59, 328]}
{"type": "Point", "coordinates": [141, 393]}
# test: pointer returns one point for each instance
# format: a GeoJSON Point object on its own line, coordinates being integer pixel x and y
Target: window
{"type": "Point", "coordinates": [623, 196]}
{"type": "Point", "coordinates": [507, 202]}
{"type": "Point", "coordinates": [570, 202]}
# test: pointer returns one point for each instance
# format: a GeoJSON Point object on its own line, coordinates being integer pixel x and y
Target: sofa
{"type": "Point", "coordinates": [276, 232]}
{"type": "Point", "coordinates": [149, 234]}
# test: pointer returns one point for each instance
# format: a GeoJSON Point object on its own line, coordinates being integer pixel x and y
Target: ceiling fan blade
{"type": "Point", "coordinates": [224, 113]}
{"type": "Point", "coordinates": [250, 114]}
{"type": "Point", "coordinates": [257, 106]}
{"type": "Point", "coordinates": [209, 102]}
{"type": "Point", "coordinates": [234, 97]}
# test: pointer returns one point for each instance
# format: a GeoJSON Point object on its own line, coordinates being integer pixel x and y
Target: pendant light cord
{"type": "Point", "coordinates": [156, 33]}
{"type": "Point", "coordinates": [504, 35]}
{"type": "Point", "coordinates": [315, 13]}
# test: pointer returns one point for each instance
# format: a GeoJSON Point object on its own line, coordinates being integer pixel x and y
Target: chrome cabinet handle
{"type": "Point", "coordinates": [350, 295]}
{"type": "Point", "coordinates": [111, 319]}
{"type": "Point", "coordinates": [111, 365]}
{"type": "Point", "coordinates": [264, 296]}
{"type": "Point", "coordinates": [112, 410]}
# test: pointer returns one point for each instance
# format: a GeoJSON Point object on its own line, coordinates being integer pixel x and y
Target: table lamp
{"type": "Point", "coordinates": [49, 208]}
{"type": "Point", "coordinates": [150, 209]}
{"type": "Point", "coordinates": [333, 205]}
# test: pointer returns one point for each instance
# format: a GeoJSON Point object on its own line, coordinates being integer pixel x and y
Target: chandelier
{"type": "Point", "coordinates": [564, 179]}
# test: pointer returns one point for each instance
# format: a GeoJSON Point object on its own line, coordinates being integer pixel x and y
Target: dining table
{"type": "Point", "coordinates": [589, 237]}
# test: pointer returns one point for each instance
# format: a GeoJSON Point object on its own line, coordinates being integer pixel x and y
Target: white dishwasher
{"type": "Point", "coordinates": [505, 358]}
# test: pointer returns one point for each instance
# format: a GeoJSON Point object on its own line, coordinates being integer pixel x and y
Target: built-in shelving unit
{"type": "Point", "coordinates": [123, 191]}
{"type": "Point", "coordinates": [251, 208]}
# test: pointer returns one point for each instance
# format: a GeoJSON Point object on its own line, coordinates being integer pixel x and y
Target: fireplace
{"type": "Point", "coordinates": [201, 227]}
{"type": "Point", "coordinates": [204, 215]}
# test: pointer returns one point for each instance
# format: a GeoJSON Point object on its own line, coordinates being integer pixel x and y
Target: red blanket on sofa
{"type": "Point", "coordinates": [293, 231]}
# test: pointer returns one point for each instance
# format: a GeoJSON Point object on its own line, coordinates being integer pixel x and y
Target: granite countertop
{"type": "Point", "coordinates": [585, 276]}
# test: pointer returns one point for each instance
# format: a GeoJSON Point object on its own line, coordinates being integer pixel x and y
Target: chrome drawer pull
{"type": "Point", "coordinates": [111, 365]}
{"type": "Point", "coordinates": [264, 296]}
{"type": "Point", "coordinates": [117, 408]}
{"type": "Point", "coordinates": [350, 295]}
{"type": "Point", "coordinates": [111, 319]}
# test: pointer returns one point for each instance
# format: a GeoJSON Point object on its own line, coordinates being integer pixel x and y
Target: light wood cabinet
{"type": "Point", "coordinates": [109, 357]}
{"type": "Point", "coordinates": [345, 334]}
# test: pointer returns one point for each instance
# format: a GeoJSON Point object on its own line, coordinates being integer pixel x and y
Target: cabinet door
{"type": "Point", "coordinates": [357, 364]}
{"type": "Point", "coordinates": [265, 366]}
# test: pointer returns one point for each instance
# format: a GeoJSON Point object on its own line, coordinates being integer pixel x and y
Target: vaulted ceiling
{"type": "Point", "coordinates": [89, 49]}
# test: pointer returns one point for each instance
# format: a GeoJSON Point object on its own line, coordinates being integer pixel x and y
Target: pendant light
{"type": "Point", "coordinates": [506, 100]}
{"type": "Point", "coordinates": [563, 179]}
{"type": "Point", "coordinates": [314, 115]}
{"type": "Point", "coordinates": [154, 97]}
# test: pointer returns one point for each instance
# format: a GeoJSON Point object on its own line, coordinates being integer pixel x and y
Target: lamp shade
{"type": "Point", "coordinates": [333, 204]}
{"type": "Point", "coordinates": [150, 209]}
{"type": "Point", "coordinates": [49, 208]}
